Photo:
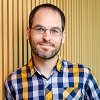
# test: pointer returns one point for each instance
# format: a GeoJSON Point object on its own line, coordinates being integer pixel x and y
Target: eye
{"type": "Point", "coordinates": [55, 31]}
{"type": "Point", "coordinates": [40, 29]}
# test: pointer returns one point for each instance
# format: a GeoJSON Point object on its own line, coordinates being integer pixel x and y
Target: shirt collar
{"type": "Point", "coordinates": [31, 67]}
{"type": "Point", "coordinates": [59, 66]}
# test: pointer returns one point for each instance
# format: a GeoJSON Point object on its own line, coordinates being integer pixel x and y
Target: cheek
{"type": "Point", "coordinates": [34, 37]}
{"type": "Point", "coordinates": [58, 41]}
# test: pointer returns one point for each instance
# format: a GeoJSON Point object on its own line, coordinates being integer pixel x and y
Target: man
{"type": "Point", "coordinates": [47, 76]}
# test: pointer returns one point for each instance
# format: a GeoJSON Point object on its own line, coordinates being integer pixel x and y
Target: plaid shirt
{"type": "Point", "coordinates": [68, 81]}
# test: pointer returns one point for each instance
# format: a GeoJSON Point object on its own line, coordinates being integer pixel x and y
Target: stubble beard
{"type": "Point", "coordinates": [44, 54]}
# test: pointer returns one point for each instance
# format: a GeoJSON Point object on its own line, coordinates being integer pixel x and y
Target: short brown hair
{"type": "Point", "coordinates": [50, 6]}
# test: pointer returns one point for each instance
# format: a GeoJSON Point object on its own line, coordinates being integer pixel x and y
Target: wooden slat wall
{"type": "Point", "coordinates": [83, 34]}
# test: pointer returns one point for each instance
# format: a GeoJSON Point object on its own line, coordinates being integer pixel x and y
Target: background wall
{"type": "Point", "coordinates": [83, 34]}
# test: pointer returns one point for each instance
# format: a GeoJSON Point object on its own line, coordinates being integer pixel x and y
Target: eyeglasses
{"type": "Point", "coordinates": [55, 31]}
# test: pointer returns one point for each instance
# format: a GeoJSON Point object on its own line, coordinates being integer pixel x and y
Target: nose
{"type": "Point", "coordinates": [46, 35]}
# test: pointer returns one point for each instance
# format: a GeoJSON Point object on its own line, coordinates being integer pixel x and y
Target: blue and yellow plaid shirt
{"type": "Point", "coordinates": [68, 81]}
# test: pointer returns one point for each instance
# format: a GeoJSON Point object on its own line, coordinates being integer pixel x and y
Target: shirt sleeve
{"type": "Point", "coordinates": [92, 88]}
{"type": "Point", "coordinates": [8, 91]}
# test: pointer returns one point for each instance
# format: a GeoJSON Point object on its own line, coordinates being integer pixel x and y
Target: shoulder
{"type": "Point", "coordinates": [16, 74]}
{"type": "Point", "coordinates": [75, 66]}
{"type": "Point", "coordinates": [76, 69]}
{"type": "Point", "coordinates": [80, 70]}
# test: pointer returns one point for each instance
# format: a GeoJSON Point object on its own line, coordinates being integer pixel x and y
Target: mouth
{"type": "Point", "coordinates": [46, 44]}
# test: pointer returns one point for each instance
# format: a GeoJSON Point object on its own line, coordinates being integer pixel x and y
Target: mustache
{"type": "Point", "coordinates": [46, 42]}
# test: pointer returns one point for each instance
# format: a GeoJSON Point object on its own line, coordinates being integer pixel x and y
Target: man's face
{"type": "Point", "coordinates": [46, 46]}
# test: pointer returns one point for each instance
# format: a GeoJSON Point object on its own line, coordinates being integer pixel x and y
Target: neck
{"type": "Point", "coordinates": [45, 66]}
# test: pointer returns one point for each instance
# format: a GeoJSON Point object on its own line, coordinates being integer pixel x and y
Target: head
{"type": "Point", "coordinates": [49, 19]}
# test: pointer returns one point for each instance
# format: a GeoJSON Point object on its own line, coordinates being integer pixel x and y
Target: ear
{"type": "Point", "coordinates": [63, 36]}
{"type": "Point", "coordinates": [27, 32]}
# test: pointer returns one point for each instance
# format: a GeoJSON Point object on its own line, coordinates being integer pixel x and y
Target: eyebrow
{"type": "Point", "coordinates": [38, 25]}
{"type": "Point", "coordinates": [56, 27]}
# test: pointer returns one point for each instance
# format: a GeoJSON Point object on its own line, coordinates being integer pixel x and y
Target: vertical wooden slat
{"type": "Point", "coordinates": [10, 33]}
{"type": "Point", "coordinates": [74, 31]}
{"type": "Point", "coordinates": [1, 53]}
{"type": "Point", "coordinates": [28, 46]}
{"type": "Point", "coordinates": [98, 24]}
{"type": "Point", "coordinates": [33, 3]}
{"type": "Point", "coordinates": [96, 36]}
{"type": "Point", "coordinates": [89, 35]}
{"type": "Point", "coordinates": [5, 38]}
{"type": "Point", "coordinates": [82, 49]}
{"type": "Point", "coordinates": [69, 34]}
{"type": "Point", "coordinates": [65, 13]}
{"type": "Point", "coordinates": [15, 33]}
{"type": "Point", "coordinates": [5, 44]}
{"type": "Point", "coordinates": [57, 4]}
{"type": "Point", "coordinates": [85, 19]}
{"type": "Point", "coordinates": [93, 36]}
{"type": "Point", "coordinates": [49, 1]}
{"type": "Point", "coordinates": [37, 2]}
{"type": "Point", "coordinates": [60, 5]}
{"type": "Point", "coordinates": [20, 26]}
{"type": "Point", "coordinates": [66, 28]}
{"type": "Point", "coordinates": [64, 45]}
{"type": "Point", "coordinates": [85, 32]}
{"type": "Point", "coordinates": [41, 1]}
{"type": "Point", "coordinates": [44, 1]}
{"type": "Point", "coordinates": [24, 42]}
{"type": "Point", "coordinates": [78, 31]}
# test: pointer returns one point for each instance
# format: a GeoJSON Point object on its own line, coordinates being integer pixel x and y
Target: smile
{"type": "Point", "coordinates": [46, 44]}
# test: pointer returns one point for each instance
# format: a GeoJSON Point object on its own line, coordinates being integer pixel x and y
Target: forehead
{"type": "Point", "coordinates": [47, 12]}
{"type": "Point", "coordinates": [47, 9]}
{"type": "Point", "coordinates": [47, 16]}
